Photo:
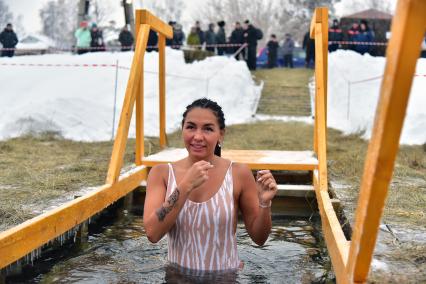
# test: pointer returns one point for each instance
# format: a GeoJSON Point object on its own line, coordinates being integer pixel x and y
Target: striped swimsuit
{"type": "Point", "coordinates": [203, 236]}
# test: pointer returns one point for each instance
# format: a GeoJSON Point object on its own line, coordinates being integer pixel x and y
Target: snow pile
{"type": "Point", "coordinates": [352, 104]}
{"type": "Point", "coordinates": [78, 102]}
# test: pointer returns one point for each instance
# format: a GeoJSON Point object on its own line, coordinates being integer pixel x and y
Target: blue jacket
{"type": "Point", "coordinates": [363, 36]}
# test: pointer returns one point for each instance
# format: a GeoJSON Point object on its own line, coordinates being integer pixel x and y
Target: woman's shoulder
{"type": "Point", "coordinates": [160, 170]}
{"type": "Point", "coordinates": [240, 169]}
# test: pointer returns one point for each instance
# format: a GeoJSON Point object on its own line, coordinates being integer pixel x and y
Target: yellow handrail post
{"type": "Point", "coordinates": [140, 145]}
{"type": "Point", "coordinates": [408, 27]}
{"type": "Point", "coordinates": [162, 88]}
{"type": "Point", "coordinates": [127, 109]}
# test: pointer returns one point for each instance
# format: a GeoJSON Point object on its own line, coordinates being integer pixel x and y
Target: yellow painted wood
{"type": "Point", "coordinates": [408, 27]}
{"type": "Point", "coordinates": [140, 146]}
{"type": "Point", "coordinates": [337, 245]}
{"type": "Point", "coordinates": [18, 241]}
{"type": "Point", "coordinates": [320, 114]}
{"type": "Point", "coordinates": [255, 159]}
{"type": "Point", "coordinates": [162, 88]}
{"type": "Point", "coordinates": [156, 24]}
{"type": "Point", "coordinates": [127, 109]}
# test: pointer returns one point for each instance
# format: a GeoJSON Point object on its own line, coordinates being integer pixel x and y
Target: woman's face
{"type": "Point", "coordinates": [201, 132]}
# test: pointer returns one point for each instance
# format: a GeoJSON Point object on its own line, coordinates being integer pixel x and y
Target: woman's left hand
{"type": "Point", "coordinates": [266, 186]}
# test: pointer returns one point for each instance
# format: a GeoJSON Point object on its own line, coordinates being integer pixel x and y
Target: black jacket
{"type": "Point", "coordinates": [125, 38]}
{"type": "Point", "coordinates": [237, 36]}
{"type": "Point", "coordinates": [8, 38]}
{"type": "Point", "coordinates": [250, 36]}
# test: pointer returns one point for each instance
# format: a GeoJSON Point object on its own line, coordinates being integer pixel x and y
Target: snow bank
{"type": "Point", "coordinates": [78, 102]}
{"type": "Point", "coordinates": [352, 104]}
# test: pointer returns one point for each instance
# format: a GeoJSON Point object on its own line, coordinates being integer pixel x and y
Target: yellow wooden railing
{"type": "Point", "coordinates": [21, 240]}
{"type": "Point", "coordinates": [351, 260]}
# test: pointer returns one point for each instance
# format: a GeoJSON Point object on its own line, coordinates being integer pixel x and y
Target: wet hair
{"type": "Point", "coordinates": [205, 103]}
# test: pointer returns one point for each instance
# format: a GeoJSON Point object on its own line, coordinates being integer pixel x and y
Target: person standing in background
{"type": "Point", "coordinates": [9, 40]}
{"type": "Point", "coordinates": [237, 37]}
{"type": "Point", "coordinates": [82, 34]}
{"type": "Point", "coordinates": [210, 38]}
{"type": "Point", "coordinates": [352, 34]}
{"type": "Point", "coordinates": [221, 38]}
{"type": "Point", "coordinates": [126, 39]}
{"type": "Point", "coordinates": [309, 47]}
{"type": "Point", "coordinates": [272, 51]}
{"type": "Point", "coordinates": [97, 42]}
{"type": "Point", "coordinates": [288, 47]}
{"type": "Point", "coordinates": [334, 34]}
{"type": "Point", "coordinates": [251, 36]}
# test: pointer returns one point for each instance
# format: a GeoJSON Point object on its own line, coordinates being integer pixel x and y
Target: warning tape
{"type": "Point", "coordinates": [118, 48]}
{"type": "Point", "coordinates": [359, 42]}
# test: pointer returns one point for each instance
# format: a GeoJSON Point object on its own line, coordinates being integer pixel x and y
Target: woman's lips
{"type": "Point", "coordinates": [197, 146]}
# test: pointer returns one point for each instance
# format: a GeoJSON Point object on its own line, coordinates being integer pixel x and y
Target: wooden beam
{"type": "Point", "coordinates": [320, 115]}
{"type": "Point", "coordinates": [337, 245]}
{"type": "Point", "coordinates": [139, 145]}
{"type": "Point", "coordinates": [127, 109]}
{"type": "Point", "coordinates": [162, 88]}
{"type": "Point", "coordinates": [408, 27]}
{"type": "Point", "coordinates": [19, 241]}
{"type": "Point", "coordinates": [156, 24]}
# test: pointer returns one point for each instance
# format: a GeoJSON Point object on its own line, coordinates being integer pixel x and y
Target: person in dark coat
{"type": "Point", "coordinates": [221, 38]}
{"type": "Point", "coordinates": [97, 42]}
{"type": "Point", "coordinates": [288, 47]}
{"type": "Point", "coordinates": [334, 34]}
{"type": "Point", "coordinates": [178, 36]}
{"type": "Point", "coordinates": [309, 47]}
{"type": "Point", "coordinates": [9, 40]}
{"type": "Point", "coordinates": [365, 35]}
{"type": "Point", "coordinates": [126, 39]}
{"type": "Point", "coordinates": [353, 32]}
{"type": "Point", "coordinates": [250, 37]}
{"type": "Point", "coordinates": [152, 41]}
{"type": "Point", "coordinates": [237, 37]}
{"type": "Point", "coordinates": [210, 38]}
{"type": "Point", "coordinates": [272, 51]}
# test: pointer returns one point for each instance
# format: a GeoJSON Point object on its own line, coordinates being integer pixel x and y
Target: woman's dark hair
{"type": "Point", "coordinates": [215, 108]}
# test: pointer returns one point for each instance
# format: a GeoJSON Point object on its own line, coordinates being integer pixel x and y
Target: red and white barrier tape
{"type": "Point", "coordinates": [359, 42]}
{"type": "Point", "coordinates": [112, 48]}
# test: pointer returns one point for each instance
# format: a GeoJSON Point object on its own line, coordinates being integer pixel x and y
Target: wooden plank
{"type": "Point", "coordinates": [408, 27]}
{"type": "Point", "coordinates": [156, 24]}
{"type": "Point", "coordinates": [255, 159]}
{"type": "Point", "coordinates": [295, 190]}
{"type": "Point", "coordinates": [140, 146]}
{"type": "Point", "coordinates": [162, 88]}
{"type": "Point", "coordinates": [127, 109]}
{"type": "Point", "coordinates": [18, 241]}
{"type": "Point", "coordinates": [320, 108]}
{"type": "Point", "coordinates": [337, 245]}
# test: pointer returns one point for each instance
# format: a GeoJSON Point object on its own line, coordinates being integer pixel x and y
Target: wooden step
{"type": "Point", "coordinates": [255, 159]}
{"type": "Point", "coordinates": [296, 190]}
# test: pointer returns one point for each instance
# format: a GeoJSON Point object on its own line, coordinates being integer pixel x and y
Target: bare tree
{"type": "Point", "coordinates": [7, 17]}
{"type": "Point", "coordinates": [357, 6]}
{"type": "Point", "coordinates": [58, 21]}
{"type": "Point", "coordinates": [271, 16]}
{"type": "Point", "coordinates": [167, 10]}
{"type": "Point", "coordinates": [99, 12]}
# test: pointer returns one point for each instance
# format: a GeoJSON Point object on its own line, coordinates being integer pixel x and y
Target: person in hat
{"type": "Point", "coordinates": [9, 40]}
{"type": "Point", "coordinates": [335, 35]}
{"type": "Point", "coordinates": [83, 37]}
{"type": "Point", "coordinates": [97, 42]}
{"type": "Point", "coordinates": [251, 36]}
{"type": "Point", "coordinates": [178, 36]}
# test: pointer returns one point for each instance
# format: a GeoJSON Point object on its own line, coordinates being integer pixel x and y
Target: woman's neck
{"type": "Point", "coordinates": [211, 159]}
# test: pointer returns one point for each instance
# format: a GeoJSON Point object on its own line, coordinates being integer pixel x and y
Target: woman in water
{"type": "Point", "coordinates": [195, 201]}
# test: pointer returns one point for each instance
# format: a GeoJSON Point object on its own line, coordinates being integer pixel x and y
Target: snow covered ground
{"type": "Point", "coordinates": [78, 102]}
{"type": "Point", "coordinates": [352, 103]}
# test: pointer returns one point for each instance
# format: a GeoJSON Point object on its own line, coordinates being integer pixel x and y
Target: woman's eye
{"type": "Point", "coordinates": [209, 129]}
{"type": "Point", "coordinates": [189, 127]}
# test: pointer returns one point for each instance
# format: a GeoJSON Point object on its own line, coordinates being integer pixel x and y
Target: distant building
{"type": "Point", "coordinates": [34, 44]}
{"type": "Point", "coordinates": [379, 22]}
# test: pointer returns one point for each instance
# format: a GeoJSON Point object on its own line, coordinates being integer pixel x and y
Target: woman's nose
{"type": "Point", "coordinates": [198, 135]}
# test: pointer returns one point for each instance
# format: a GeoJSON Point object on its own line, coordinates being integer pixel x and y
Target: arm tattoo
{"type": "Point", "coordinates": [164, 210]}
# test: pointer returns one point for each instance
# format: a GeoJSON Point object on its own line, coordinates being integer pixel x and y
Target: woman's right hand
{"type": "Point", "coordinates": [195, 176]}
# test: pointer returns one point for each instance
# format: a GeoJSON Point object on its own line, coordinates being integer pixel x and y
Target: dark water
{"type": "Point", "coordinates": [119, 252]}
